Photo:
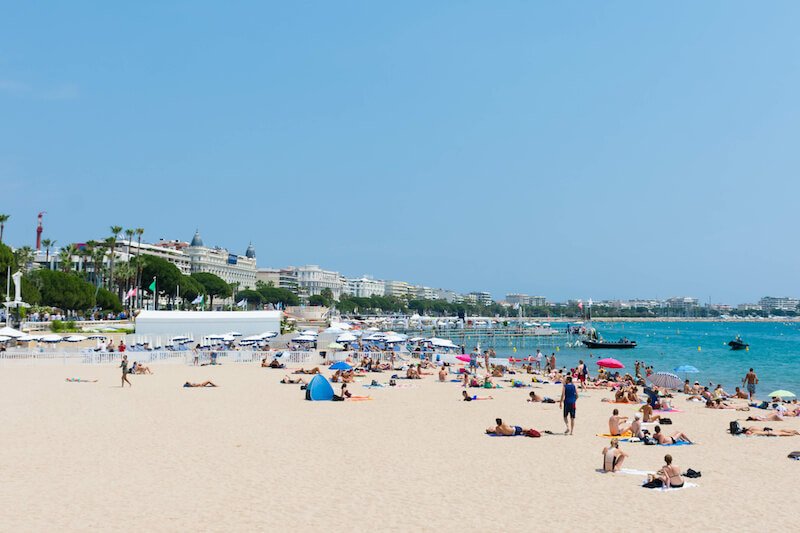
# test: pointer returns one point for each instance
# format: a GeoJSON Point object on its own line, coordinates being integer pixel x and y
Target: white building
{"type": "Point", "coordinates": [283, 278]}
{"type": "Point", "coordinates": [230, 267]}
{"type": "Point", "coordinates": [364, 287]}
{"type": "Point", "coordinates": [398, 289]}
{"type": "Point", "coordinates": [423, 293]}
{"type": "Point", "coordinates": [685, 303]}
{"type": "Point", "coordinates": [768, 303]}
{"type": "Point", "coordinates": [311, 280]}
{"type": "Point", "coordinates": [524, 299]}
{"type": "Point", "coordinates": [482, 298]}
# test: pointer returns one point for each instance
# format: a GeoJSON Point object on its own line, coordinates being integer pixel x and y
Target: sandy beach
{"type": "Point", "coordinates": [253, 455]}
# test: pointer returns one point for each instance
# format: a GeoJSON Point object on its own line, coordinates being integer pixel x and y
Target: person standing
{"type": "Point", "coordinates": [750, 381]}
{"type": "Point", "coordinates": [582, 373]}
{"type": "Point", "coordinates": [569, 398]}
{"type": "Point", "coordinates": [552, 361]}
{"type": "Point", "coordinates": [124, 366]}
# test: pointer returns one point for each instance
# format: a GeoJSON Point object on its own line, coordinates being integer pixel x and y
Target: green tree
{"type": "Point", "coordinates": [65, 256]}
{"type": "Point", "coordinates": [190, 288]}
{"type": "Point", "coordinates": [47, 243]}
{"type": "Point", "coordinates": [213, 285]}
{"type": "Point", "coordinates": [166, 274]}
{"type": "Point", "coordinates": [108, 301]}
{"type": "Point", "coordinates": [112, 245]}
{"type": "Point", "coordinates": [253, 298]}
{"type": "Point", "coordinates": [275, 295]}
{"type": "Point", "coordinates": [319, 300]}
{"type": "Point", "coordinates": [3, 220]}
{"type": "Point", "coordinates": [23, 257]}
{"type": "Point", "coordinates": [62, 290]}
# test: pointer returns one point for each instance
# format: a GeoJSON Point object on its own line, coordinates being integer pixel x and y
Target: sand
{"type": "Point", "coordinates": [253, 455]}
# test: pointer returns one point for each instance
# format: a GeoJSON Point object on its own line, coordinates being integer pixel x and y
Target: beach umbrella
{"type": "Point", "coordinates": [341, 365]}
{"type": "Point", "coordinates": [52, 338]}
{"type": "Point", "coordinates": [28, 338]}
{"type": "Point", "coordinates": [464, 358]}
{"type": "Point", "coordinates": [4, 338]}
{"type": "Point", "coordinates": [665, 379]}
{"type": "Point", "coordinates": [610, 363]}
{"type": "Point", "coordinates": [304, 338]}
{"type": "Point", "coordinates": [445, 343]}
{"type": "Point", "coordinates": [309, 332]}
{"type": "Point", "coordinates": [781, 394]}
{"type": "Point", "coordinates": [75, 338]}
{"type": "Point", "coordinates": [97, 337]}
{"type": "Point", "coordinates": [336, 346]}
{"type": "Point", "coordinates": [346, 337]}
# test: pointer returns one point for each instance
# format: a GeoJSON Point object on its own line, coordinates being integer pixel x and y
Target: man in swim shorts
{"type": "Point", "coordinates": [504, 429]}
{"type": "Point", "coordinates": [750, 380]}
{"type": "Point", "coordinates": [569, 398]}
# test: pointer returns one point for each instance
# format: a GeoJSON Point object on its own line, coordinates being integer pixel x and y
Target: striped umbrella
{"type": "Point", "coordinates": [666, 380]}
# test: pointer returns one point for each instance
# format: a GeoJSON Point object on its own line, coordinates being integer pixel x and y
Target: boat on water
{"type": "Point", "coordinates": [600, 344]}
{"type": "Point", "coordinates": [738, 344]}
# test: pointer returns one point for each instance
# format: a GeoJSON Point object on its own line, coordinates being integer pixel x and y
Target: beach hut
{"type": "Point", "coordinates": [319, 389]}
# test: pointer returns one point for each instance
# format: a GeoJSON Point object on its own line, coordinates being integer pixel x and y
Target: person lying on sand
{"type": "Point", "coordinates": [289, 381]}
{"type": "Point", "coordinates": [613, 457]}
{"type": "Point", "coordinates": [272, 364]}
{"type": "Point", "coordinates": [504, 429]}
{"type": "Point", "coordinates": [80, 380]}
{"type": "Point", "coordinates": [467, 398]}
{"type": "Point", "coordinates": [772, 417]}
{"type": "Point", "coordinates": [143, 369]}
{"type": "Point", "coordinates": [347, 395]}
{"type": "Point", "coordinates": [669, 474]}
{"type": "Point", "coordinates": [717, 404]}
{"type": "Point", "coordinates": [203, 384]}
{"type": "Point", "coordinates": [614, 424]}
{"type": "Point", "coordinates": [533, 397]}
{"type": "Point", "coordinates": [314, 370]}
{"type": "Point", "coordinates": [769, 432]}
{"type": "Point", "coordinates": [678, 436]}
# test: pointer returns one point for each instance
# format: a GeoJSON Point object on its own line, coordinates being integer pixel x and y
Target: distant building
{"type": "Point", "coordinates": [482, 298]}
{"type": "Point", "coordinates": [365, 287]}
{"type": "Point", "coordinates": [282, 278]}
{"type": "Point", "coordinates": [232, 268]}
{"type": "Point", "coordinates": [749, 307]}
{"type": "Point", "coordinates": [398, 289]}
{"type": "Point", "coordinates": [524, 299]}
{"type": "Point", "coordinates": [682, 303]}
{"type": "Point", "coordinates": [722, 308]}
{"type": "Point", "coordinates": [311, 280]}
{"type": "Point", "coordinates": [444, 294]}
{"type": "Point", "coordinates": [771, 303]}
{"type": "Point", "coordinates": [423, 293]}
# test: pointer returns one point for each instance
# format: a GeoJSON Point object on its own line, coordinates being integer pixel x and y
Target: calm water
{"type": "Point", "coordinates": [774, 350]}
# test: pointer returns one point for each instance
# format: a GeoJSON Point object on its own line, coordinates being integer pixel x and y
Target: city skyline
{"type": "Point", "coordinates": [586, 150]}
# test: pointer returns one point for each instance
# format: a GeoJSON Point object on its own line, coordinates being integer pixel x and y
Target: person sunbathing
{"type": "Point", "coordinates": [314, 370]}
{"type": "Point", "coordinates": [632, 395]}
{"type": "Point", "coordinates": [412, 373]}
{"type": "Point", "coordinates": [203, 384]}
{"type": "Point", "coordinates": [504, 429]}
{"type": "Point", "coordinates": [348, 376]}
{"type": "Point", "coordinates": [718, 404]}
{"type": "Point", "coordinates": [143, 369]}
{"type": "Point", "coordinates": [613, 457]}
{"type": "Point", "coordinates": [336, 376]}
{"type": "Point", "coordinates": [79, 380]}
{"type": "Point", "coordinates": [772, 417]}
{"type": "Point", "coordinates": [289, 381]}
{"type": "Point", "coordinates": [619, 396]}
{"type": "Point", "coordinates": [636, 426]}
{"type": "Point", "coordinates": [614, 424]}
{"type": "Point", "coordinates": [275, 364]}
{"type": "Point", "coordinates": [467, 398]}
{"type": "Point", "coordinates": [647, 413]}
{"type": "Point", "coordinates": [669, 474]}
{"type": "Point", "coordinates": [769, 432]}
{"type": "Point", "coordinates": [533, 397]}
{"type": "Point", "coordinates": [740, 394]}
{"type": "Point", "coordinates": [676, 437]}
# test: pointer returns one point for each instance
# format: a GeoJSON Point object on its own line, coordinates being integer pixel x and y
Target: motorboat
{"type": "Point", "coordinates": [738, 344]}
{"type": "Point", "coordinates": [600, 344]}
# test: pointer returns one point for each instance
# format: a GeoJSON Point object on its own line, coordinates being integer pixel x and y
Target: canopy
{"type": "Point", "coordinates": [341, 365]}
{"type": "Point", "coordinates": [75, 338]}
{"type": "Point", "coordinates": [781, 394]}
{"type": "Point", "coordinates": [309, 332]}
{"type": "Point", "coordinates": [52, 338]}
{"type": "Point", "coordinates": [304, 338]}
{"type": "Point", "coordinates": [610, 363]}
{"type": "Point", "coordinates": [665, 379]}
{"type": "Point", "coordinates": [446, 343]}
{"type": "Point", "coordinates": [28, 338]}
{"type": "Point", "coordinates": [3, 338]}
{"type": "Point", "coordinates": [346, 337]}
{"type": "Point", "coordinates": [11, 332]}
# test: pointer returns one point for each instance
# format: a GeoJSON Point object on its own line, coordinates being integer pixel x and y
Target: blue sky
{"type": "Point", "coordinates": [611, 150]}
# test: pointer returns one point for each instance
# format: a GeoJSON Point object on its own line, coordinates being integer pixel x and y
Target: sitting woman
{"type": "Point", "coordinates": [467, 398]}
{"type": "Point", "coordinates": [676, 437]}
{"type": "Point", "coordinates": [632, 395]}
{"type": "Point", "coordinates": [613, 457]}
{"type": "Point", "coordinates": [412, 373]}
{"type": "Point", "coordinates": [620, 396]}
{"type": "Point", "coordinates": [669, 474]}
{"type": "Point", "coordinates": [348, 376]}
{"type": "Point", "coordinates": [442, 374]}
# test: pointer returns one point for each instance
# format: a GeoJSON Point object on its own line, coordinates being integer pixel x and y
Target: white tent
{"type": "Point", "coordinates": [443, 343]}
{"type": "Point", "coordinates": [11, 332]}
{"type": "Point", "coordinates": [304, 338]}
{"type": "Point", "coordinates": [75, 338]}
{"type": "Point", "coordinates": [346, 337]}
{"type": "Point", "coordinates": [52, 338]}
{"type": "Point", "coordinates": [3, 338]}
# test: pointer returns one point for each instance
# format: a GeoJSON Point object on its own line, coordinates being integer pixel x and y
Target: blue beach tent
{"type": "Point", "coordinates": [319, 389]}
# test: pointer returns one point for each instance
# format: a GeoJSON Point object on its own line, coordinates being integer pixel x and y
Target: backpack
{"type": "Point", "coordinates": [665, 421]}
{"type": "Point", "coordinates": [649, 441]}
{"type": "Point", "coordinates": [692, 474]}
{"type": "Point", "coordinates": [736, 428]}
{"type": "Point", "coordinates": [533, 433]}
{"type": "Point", "coordinates": [654, 484]}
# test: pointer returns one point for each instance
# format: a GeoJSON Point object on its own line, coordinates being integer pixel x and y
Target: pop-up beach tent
{"type": "Point", "coordinates": [319, 389]}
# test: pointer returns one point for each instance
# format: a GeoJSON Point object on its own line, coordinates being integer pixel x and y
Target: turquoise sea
{"type": "Point", "coordinates": [774, 350]}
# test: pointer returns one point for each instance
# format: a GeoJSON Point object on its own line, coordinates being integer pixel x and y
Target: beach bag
{"type": "Point", "coordinates": [692, 474]}
{"type": "Point", "coordinates": [795, 456]}
{"type": "Point", "coordinates": [665, 421]}
{"type": "Point", "coordinates": [736, 428]}
{"type": "Point", "coordinates": [654, 484]}
{"type": "Point", "coordinates": [533, 433]}
{"type": "Point", "coordinates": [649, 441]}
{"type": "Point", "coordinates": [337, 398]}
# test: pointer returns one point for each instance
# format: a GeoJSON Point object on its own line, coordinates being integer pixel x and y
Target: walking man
{"type": "Point", "coordinates": [750, 381]}
{"type": "Point", "coordinates": [569, 397]}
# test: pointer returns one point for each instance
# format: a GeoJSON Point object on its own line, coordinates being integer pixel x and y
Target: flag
{"type": "Point", "coordinates": [130, 294]}
{"type": "Point", "coordinates": [152, 286]}
{"type": "Point", "coordinates": [590, 302]}
{"type": "Point", "coordinates": [198, 300]}
{"type": "Point", "coordinates": [580, 305]}
{"type": "Point", "coordinates": [242, 304]}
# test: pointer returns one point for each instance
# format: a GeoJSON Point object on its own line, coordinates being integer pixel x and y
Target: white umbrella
{"type": "Point", "coordinates": [3, 338]}
{"type": "Point", "coordinates": [269, 334]}
{"type": "Point", "coordinates": [445, 343]}
{"type": "Point", "coordinates": [304, 338]}
{"type": "Point", "coordinates": [28, 338]}
{"type": "Point", "coordinates": [11, 332]}
{"type": "Point", "coordinates": [346, 337]}
{"type": "Point", "coordinates": [665, 379]}
{"type": "Point", "coordinates": [234, 334]}
{"type": "Point", "coordinates": [395, 338]}
{"type": "Point", "coordinates": [97, 337]}
{"type": "Point", "coordinates": [52, 338]}
{"type": "Point", "coordinates": [253, 338]}
{"type": "Point", "coordinates": [75, 338]}
{"type": "Point", "coordinates": [179, 338]}
{"type": "Point", "coordinates": [309, 332]}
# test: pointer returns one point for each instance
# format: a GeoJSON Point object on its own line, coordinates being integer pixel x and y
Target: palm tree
{"type": "Point", "coordinates": [24, 257]}
{"type": "Point", "coordinates": [139, 233]}
{"type": "Point", "coordinates": [47, 243]}
{"type": "Point", "coordinates": [3, 220]}
{"type": "Point", "coordinates": [112, 241]}
{"type": "Point", "coordinates": [65, 257]}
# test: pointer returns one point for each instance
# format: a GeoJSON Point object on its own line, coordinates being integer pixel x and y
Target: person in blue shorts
{"type": "Point", "coordinates": [569, 397]}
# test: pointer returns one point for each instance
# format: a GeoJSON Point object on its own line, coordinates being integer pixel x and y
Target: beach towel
{"type": "Point", "coordinates": [624, 436]}
{"type": "Point", "coordinates": [686, 485]}
{"type": "Point", "coordinates": [667, 411]}
{"type": "Point", "coordinates": [679, 443]}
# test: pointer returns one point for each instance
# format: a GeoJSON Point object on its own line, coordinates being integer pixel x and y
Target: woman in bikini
{"type": "Point", "coordinates": [676, 437]}
{"type": "Point", "coordinates": [613, 457]}
{"type": "Point", "coordinates": [670, 474]}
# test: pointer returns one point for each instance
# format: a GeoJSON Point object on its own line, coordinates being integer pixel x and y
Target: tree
{"type": "Point", "coordinates": [62, 290]}
{"type": "Point", "coordinates": [47, 243]}
{"type": "Point", "coordinates": [112, 243]}
{"type": "Point", "coordinates": [139, 232]}
{"type": "Point", "coordinates": [6, 261]}
{"type": "Point", "coordinates": [274, 295]}
{"type": "Point", "coordinates": [252, 297]}
{"type": "Point", "coordinates": [108, 301]}
{"type": "Point", "coordinates": [166, 274]}
{"type": "Point", "coordinates": [327, 294]}
{"type": "Point", "coordinates": [23, 257]}
{"type": "Point", "coordinates": [190, 288]}
{"type": "Point", "coordinates": [319, 300]}
{"type": "Point", "coordinates": [3, 220]}
{"type": "Point", "coordinates": [65, 256]}
{"type": "Point", "coordinates": [213, 285]}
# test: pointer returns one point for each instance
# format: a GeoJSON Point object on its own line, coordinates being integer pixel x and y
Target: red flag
{"type": "Point", "coordinates": [580, 305]}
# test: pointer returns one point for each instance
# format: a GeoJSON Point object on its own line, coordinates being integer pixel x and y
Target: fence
{"type": "Point", "coordinates": [160, 356]}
